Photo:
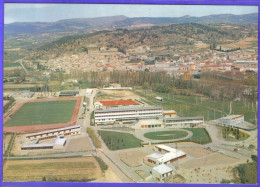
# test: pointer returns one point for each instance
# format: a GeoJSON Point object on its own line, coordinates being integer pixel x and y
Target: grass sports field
{"type": "Point", "coordinates": [196, 106]}
{"type": "Point", "coordinates": [118, 140]}
{"type": "Point", "coordinates": [200, 135]}
{"type": "Point", "coordinates": [166, 135]}
{"type": "Point", "coordinates": [47, 112]}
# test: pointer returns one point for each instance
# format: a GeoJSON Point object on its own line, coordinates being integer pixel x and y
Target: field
{"type": "Point", "coordinates": [62, 169]}
{"type": "Point", "coordinates": [200, 135]}
{"type": "Point", "coordinates": [132, 159]}
{"type": "Point", "coordinates": [118, 140]}
{"type": "Point", "coordinates": [16, 64]}
{"type": "Point", "coordinates": [210, 109]}
{"type": "Point", "coordinates": [166, 135]}
{"type": "Point", "coordinates": [37, 113]}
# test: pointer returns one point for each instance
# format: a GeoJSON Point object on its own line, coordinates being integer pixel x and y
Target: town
{"type": "Point", "coordinates": [131, 99]}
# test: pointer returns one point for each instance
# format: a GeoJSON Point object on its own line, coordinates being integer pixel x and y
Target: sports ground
{"type": "Point", "coordinates": [43, 114]}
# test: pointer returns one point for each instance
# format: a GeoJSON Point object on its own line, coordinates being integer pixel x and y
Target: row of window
{"type": "Point", "coordinates": [186, 120]}
{"type": "Point", "coordinates": [51, 133]}
{"type": "Point", "coordinates": [150, 126]}
{"type": "Point", "coordinates": [123, 115]}
{"type": "Point", "coordinates": [126, 111]}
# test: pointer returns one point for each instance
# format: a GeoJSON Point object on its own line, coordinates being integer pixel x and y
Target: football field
{"type": "Point", "coordinates": [46, 112]}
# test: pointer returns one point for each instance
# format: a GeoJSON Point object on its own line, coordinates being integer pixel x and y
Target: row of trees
{"type": "Point", "coordinates": [208, 85]}
{"type": "Point", "coordinates": [94, 138]}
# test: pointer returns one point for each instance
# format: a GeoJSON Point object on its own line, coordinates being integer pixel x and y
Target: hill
{"type": "Point", "coordinates": [82, 24]}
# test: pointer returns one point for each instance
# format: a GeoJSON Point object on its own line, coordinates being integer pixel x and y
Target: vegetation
{"type": "Point", "coordinates": [101, 163]}
{"type": "Point", "coordinates": [247, 173]}
{"type": "Point", "coordinates": [166, 135]}
{"type": "Point", "coordinates": [200, 135]}
{"type": "Point", "coordinates": [191, 105]}
{"type": "Point", "coordinates": [233, 134]}
{"type": "Point", "coordinates": [94, 138]}
{"type": "Point", "coordinates": [11, 100]}
{"type": "Point", "coordinates": [16, 64]}
{"type": "Point", "coordinates": [118, 140]}
{"type": "Point", "coordinates": [10, 145]}
{"type": "Point", "coordinates": [47, 112]}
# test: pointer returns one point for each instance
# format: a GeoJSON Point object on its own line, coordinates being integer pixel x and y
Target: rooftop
{"type": "Point", "coordinates": [129, 108]}
{"type": "Point", "coordinates": [119, 102]}
{"type": "Point", "coordinates": [162, 169]}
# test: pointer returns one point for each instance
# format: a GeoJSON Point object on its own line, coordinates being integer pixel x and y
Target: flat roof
{"type": "Point", "coordinates": [119, 102]}
{"type": "Point", "coordinates": [232, 117]}
{"type": "Point", "coordinates": [186, 118]}
{"type": "Point", "coordinates": [38, 145]}
{"type": "Point", "coordinates": [54, 130]}
{"type": "Point", "coordinates": [162, 169]}
{"type": "Point", "coordinates": [60, 141]}
{"type": "Point", "coordinates": [119, 109]}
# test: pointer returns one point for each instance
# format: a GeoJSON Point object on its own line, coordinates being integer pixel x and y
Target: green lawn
{"type": "Point", "coordinates": [196, 106]}
{"type": "Point", "coordinates": [118, 140]}
{"type": "Point", "coordinates": [16, 64]}
{"type": "Point", "coordinates": [200, 135]}
{"type": "Point", "coordinates": [47, 112]}
{"type": "Point", "coordinates": [166, 135]}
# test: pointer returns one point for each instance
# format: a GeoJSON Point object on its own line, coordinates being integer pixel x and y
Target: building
{"type": "Point", "coordinates": [235, 121]}
{"type": "Point", "coordinates": [118, 103]}
{"type": "Point", "coordinates": [164, 155]}
{"type": "Point", "coordinates": [150, 123]}
{"type": "Point", "coordinates": [169, 114]}
{"type": "Point", "coordinates": [89, 91]}
{"type": "Point", "coordinates": [59, 143]}
{"type": "Point", "coordinates": [68, 93]}
{"type": "Point", "coordinates": [51, 134]}
{"type": "Point", "coordinates": [127, 114]}
{"type": "Point", "coordinates": [232, 120]}
{"type": "Point", "coordinates": [159, 98]}
{"type": "Point", "coordinates": [181, 122]}
{"type": "Point", "coordinates": [162, 171]}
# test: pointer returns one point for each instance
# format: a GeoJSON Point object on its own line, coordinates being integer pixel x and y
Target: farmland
{"type": "Point", "coordinates": [48, 112]}
{"type": "Point", "coordinates": [62, 169]}
{"type": "Point", "coordinates": [118, 140]}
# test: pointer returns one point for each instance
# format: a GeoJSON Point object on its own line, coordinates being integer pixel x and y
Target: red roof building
{"type": "Point", "coordinates": [118, 102]}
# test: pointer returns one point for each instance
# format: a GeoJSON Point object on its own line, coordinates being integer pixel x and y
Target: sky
{"type": "Point", "coordinates": [39, 12]}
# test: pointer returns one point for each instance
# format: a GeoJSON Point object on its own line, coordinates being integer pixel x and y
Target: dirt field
{"type": "Point", "coordinates": [61, 169]}
{"type": "Point", "coordinates": [109, 176]}
{"type": "Point", "coordinates": [78, 144]}
{"type": "Point", "coordinates": [196, 152]}
{"type": "Point", "coordinates": [200, 45]}
{"type": "Point", "coordinates": [5, 102]}
{"type": "Point", "coordinates": [9, 86]}
{"type": "Point", "coordinates": [117, 94]}
{"type": "Point", "coordinates": [214, 159]}
{"type": "Point", "coordinates": [245, 43]}
{"type": "Point", "coordinates": [132, 159]}
{"type": "Point", "coordinates": [209, 175]}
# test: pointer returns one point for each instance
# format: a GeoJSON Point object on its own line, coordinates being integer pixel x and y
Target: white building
{"type": "Point", "coordinates": [232, 120]}
{"type": "Point", "coordinates": [162, 171]}
{"type": "Point", "coordinates": [89, 91]}
{"type": "Point", "coordinates": [50, 134]}
{"type": "Point", "coordinates": [127, 114]}
{"type": "Point", "coordinates": [150, 123]}
{"type": "Point", "coordinates": [59, 143]}
{"type": "Point", "coordinates": [181, 122]}
{"type": "Point", "coordinates": [164, 155]}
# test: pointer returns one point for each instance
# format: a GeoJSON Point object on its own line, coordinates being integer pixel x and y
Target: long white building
{"type": "Point", "coordinates": [126, 114]}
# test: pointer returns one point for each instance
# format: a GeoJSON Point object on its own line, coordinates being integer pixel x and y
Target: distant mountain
{"type": "Point", "coordinates": [81, 24]}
